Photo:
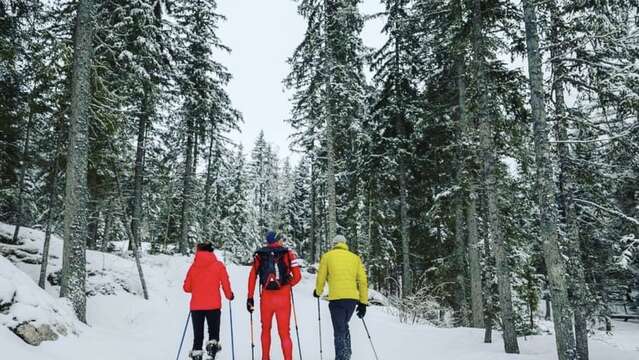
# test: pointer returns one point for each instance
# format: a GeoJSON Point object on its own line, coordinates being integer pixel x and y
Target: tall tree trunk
{"type": "Point", "coordinates": [75, 209]}
{"type": "Point", "coordinates": [407, 283]}
{"type": "Point", "coordinates": [566, 190]}
{"type": "Point", "coordinates": [460, 257]}
{"type": "Point", "coordinates": [51, 206]}
{"type": "Point", "coordinates": [330, 180]}
{"type": "Point", "coordinates": [138, 173]}
{"type": "Point", "coordinates": [23, 170]}
{"type": "Point", "coordinates": [474, 264]}
{"type": "Point", "coordinates": [185, 220]}
{"type": "Point", "coordinates": [491, 190]}
{"type": "Point", "coordinates": [472, 240]}
{"type": "Point", "coordinates": [92, 226]}
{"type": "Point", "coordinates": [108, 224]}
{"type": "Point", "coordinates": [330, 15]}
{"type": "Point", "coordinates": [129, 229]}
{"type": "Point", "coordinates": [400, 127]}
{"type": "Point", "coordinates": [315, 244]}
{"type": "Point", "coordinates": [460, 239]}
{"type": "Point", "coordinates": [207, 191]}
{"type": "Point", "coordinates": [546, 193]}
{"type": "Point", "coordinates": [489, 312]}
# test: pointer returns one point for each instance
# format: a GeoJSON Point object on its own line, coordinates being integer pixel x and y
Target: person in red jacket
{"type": "Point", "coordinates": [204, 279]}
{"type": "Point", "coordinates": [278, 270]}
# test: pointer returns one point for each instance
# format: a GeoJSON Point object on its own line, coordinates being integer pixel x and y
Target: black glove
{"type": "Point", "coordinates": [315, 294]}
{"type": "Point", "coordinates": [250, 305]}
{"type": "Point", "coordinates": [232, 297]}
{"type": "Point", "coordinates": [361, 310]}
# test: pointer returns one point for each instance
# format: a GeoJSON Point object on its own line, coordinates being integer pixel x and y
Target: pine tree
{"type": "Point", "coordinates": [201, 82]}
{"type": "Point", "coordinates": [545, 187]}
{"type": "Point", "coordinates": [74, 261]}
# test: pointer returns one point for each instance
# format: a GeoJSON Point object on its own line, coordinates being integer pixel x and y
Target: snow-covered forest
{"type": "Point", "coordinates": [484, 161]}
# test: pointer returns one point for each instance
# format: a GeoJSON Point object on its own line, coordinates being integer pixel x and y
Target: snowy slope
{"type": "Point", "coordinates": [126, 327]}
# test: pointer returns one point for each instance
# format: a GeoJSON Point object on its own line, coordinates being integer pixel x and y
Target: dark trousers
{"type": "Point", "coordinates": [341, 313]}
{"type": "Point", "coordinates": [212, 318]}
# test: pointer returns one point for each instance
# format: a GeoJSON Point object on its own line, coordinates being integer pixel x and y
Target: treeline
{"type": "Point", "coordinates": [491, 161]}
{"type": "Point", "coordinates": [114, 126]}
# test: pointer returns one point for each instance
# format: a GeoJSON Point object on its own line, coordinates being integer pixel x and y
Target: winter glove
{"type": "Point", "coordinates": [250, 305]}
{"type": "Point", "coordinates": [315, 294]}
{"type": "Point", "coordinates": [361, 310]}
{"type": "Point", "coordinates": [232, 297]}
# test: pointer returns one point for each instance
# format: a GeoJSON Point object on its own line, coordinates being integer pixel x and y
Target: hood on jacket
{"type": "Point", "coordinates": [204, 258]}
{"type": "Point", "coordinates": [341, 246]}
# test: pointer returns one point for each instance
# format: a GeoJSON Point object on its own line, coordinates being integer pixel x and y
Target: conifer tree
{"type": "Point", "coordinates": [75, 231]}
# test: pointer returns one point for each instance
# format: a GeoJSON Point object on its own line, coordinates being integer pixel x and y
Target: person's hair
{"type": "Point", "coordinates": [205, 246]}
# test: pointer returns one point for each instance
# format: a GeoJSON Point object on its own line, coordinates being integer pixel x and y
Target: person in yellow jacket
{"type": "Point", "coordinates": [347, 290]}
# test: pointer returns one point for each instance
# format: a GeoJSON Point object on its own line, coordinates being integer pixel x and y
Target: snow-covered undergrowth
{"type": "Point", "coordinates": [29, 311]}
{"type": "Point", "coordinates": [123, 326]}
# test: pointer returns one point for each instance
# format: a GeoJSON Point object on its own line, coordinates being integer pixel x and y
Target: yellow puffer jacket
{"type": "Point", "coordinates": [345, 274]}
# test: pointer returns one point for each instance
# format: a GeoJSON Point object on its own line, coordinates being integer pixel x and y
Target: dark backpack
{"type": "Point", "coordinates": [274, 267]}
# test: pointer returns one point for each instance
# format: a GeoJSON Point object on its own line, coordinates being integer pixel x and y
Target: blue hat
{"type": "Point", "coordinates": [271, 237]}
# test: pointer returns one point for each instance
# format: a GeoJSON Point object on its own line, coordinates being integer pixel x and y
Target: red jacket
{"type": "Point", "coordinates": [204, 279]}
{"type": "Point", "coordinates": [294, 268]}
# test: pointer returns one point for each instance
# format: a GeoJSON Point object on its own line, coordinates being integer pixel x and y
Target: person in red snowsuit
{"type": "Point", "coordinates": [205, 278]}
{"type": "Point", "coordinates": [274, 299]}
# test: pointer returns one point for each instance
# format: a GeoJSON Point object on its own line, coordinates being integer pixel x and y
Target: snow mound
{"type": "Point", "coordinates": [30, 312]}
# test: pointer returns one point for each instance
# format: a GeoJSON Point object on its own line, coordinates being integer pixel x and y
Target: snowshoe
{"type": "Point", "coordinates": [213, 347]}
{"type": "Point", "coordinates": [196, 354]}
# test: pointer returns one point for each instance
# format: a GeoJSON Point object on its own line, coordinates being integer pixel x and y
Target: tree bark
{"type": "Point", "coordinates": [23, 170]}
{"type": "Point", "coordinates": [53, 186]}
{"type": "Point", "coordinates": [316, 253]}
{"type": "Point", "coordinates": [491, 189]}
{"type": "Point", "coordinates": [186, 191]}
{"type": "Point", "coordinates": [460, 242]}
{"type": "Point", "coordinates": [75, 214]}
{"type": "Point", "coordinates": [566, 191]}
{"type": "Point", "coordinates": [407, 283]}
{"type": "Point", "coordinates": [476, 287]}
{"type": "Point", "coordinates": [489, 312]}
{"type": "Point", "coordinates": [129, 231]}
{"type": "Point", "coordinates": [546, 192]}
{"type": "Point", "coordinates": [138, 174]}
{"type": "Point", "coordinates": [329, 7]}
{"type": "Point", "coordinates": [471, 245]}
{"type": "Point", "coordinates": [108, 223]}
{"type": "Point", "coordinates": [207, 191]}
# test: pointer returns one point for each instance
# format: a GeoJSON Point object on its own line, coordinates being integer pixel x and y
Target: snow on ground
{"type": "Point", "coordinates": [124, 326]}
{"type": "Point", "coordinates": [22, 301]}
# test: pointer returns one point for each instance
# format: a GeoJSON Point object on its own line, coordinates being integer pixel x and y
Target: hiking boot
{"type": "Point", "coordinates": [212, 348]}
{"type": "Point", "coordinates": [196, 354]}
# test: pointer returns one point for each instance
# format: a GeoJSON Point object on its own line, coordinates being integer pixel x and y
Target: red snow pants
{"type": "Point", "coordinates": [278, 303]}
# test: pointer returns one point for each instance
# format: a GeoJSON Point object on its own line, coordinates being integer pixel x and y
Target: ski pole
{"type": "Point", "coordinates": [252, 340]}
{"type": "Point", "coordinates": [297, 330]}
{"type": "Point", "coordinates": [369, 338]}
{"type": "Point", "coordinates": [183, 335]}
{"type": "Point", "coordinates": [319, 320]}
{"type": "Point", "coordinates": [232, 336]}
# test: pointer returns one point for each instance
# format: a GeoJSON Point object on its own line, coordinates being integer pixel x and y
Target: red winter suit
{"type": "Point", "coordinates": [204, 279]}
{"type": "Point", "coordinates": [276, 302]}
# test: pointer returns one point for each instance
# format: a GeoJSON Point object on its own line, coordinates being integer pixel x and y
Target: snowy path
{"type": "Point", "coordinates": [126, 327]}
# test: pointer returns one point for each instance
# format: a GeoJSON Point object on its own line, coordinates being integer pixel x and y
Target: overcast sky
{"type": "Point", "coordinates": [262, 35]}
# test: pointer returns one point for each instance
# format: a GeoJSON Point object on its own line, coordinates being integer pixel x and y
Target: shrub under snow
{"type": "Point", "coordinates": [28, 311]}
